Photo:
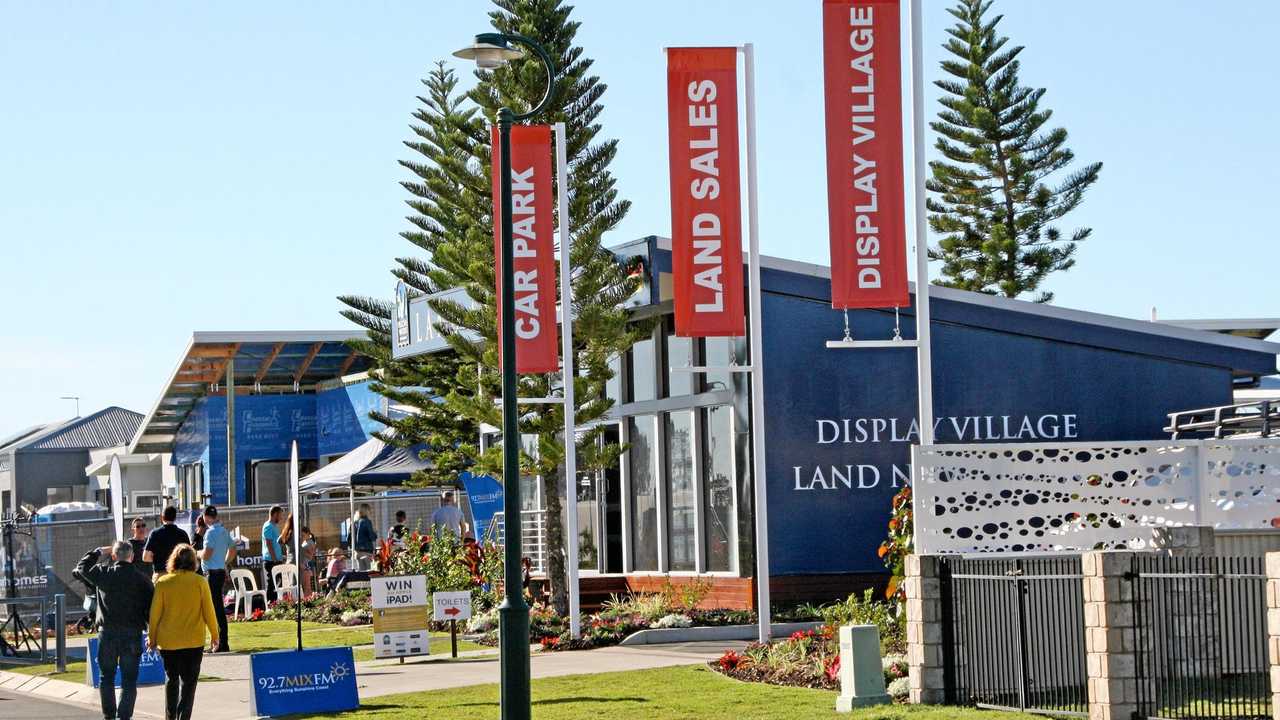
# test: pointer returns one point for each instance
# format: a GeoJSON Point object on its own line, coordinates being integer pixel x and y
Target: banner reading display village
{"type": "Point", "coordinates": [706, 209]}
{"type": "Point", "coordinates": [866, 206]}
{"type": "Point", "coordinates": [533, 262]}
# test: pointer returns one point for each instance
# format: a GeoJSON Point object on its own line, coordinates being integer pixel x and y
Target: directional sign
{"type": "Point", "coordinates": [451, 605]}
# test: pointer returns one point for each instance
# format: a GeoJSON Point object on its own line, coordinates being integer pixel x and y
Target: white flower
{"type": "Point", "coordinates": [899, 688]}
{"type": "Point", "coordinates": [673, 620]}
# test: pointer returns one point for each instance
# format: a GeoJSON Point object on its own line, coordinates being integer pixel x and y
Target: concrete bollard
{"type": "Point", "coordinates": [861, 674]}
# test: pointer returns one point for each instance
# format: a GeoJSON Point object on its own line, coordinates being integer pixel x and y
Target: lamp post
{"type": "Point", "coordinates": [491, 50]}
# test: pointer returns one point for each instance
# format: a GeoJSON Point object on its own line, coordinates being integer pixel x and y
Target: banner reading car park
{"type": "Point", "coordinates": [706, 210]}
{"type": "Point", "coordinates": [865, 201]}
{"type": "Point", "coordinates": [533, 264]}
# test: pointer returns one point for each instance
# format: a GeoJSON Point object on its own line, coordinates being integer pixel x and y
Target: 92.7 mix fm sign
{"type": "Point", "coordinates": [400, 621]}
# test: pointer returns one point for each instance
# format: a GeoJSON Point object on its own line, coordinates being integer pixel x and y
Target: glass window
{"type": "Point", "coordinates": [644, 371]}
{"type": "Point", "coordinates": [719, 352]}
{"type": "Point", "coordinates": [530, 487]}
{"type": "Point", "coordinates": [719, 511]}
{"type": "Point", "coordinates": [680, 353]}
{"type": "Point", "coordinates": [588, 522]}
{"type": "Point", "coordinates": [644, 492]}
{"type": "Point", "coordinates": [613, 387]}
{"type": "Point", "coordinates": [681, 494]}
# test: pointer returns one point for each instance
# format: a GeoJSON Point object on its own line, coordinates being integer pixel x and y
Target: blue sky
{"type": "Point", "coordinates": [172, 167]}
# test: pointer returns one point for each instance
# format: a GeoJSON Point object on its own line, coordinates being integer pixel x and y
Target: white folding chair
{"type": "Point", "coordinates": [285, 578]}
{"type": "Point", "coordinates": [246, 588]}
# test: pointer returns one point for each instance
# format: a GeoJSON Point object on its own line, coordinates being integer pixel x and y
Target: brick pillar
{"type": "Point", "coordinates": [1273, 629]}
{"type": "Point", "coordinates": [1188, 541]}
{"type": "Point", "coordinates": [1109, 638]}
{"type": "Point", "coordinates": [924, 629]}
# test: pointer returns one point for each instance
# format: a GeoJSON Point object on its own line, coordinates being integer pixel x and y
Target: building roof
{"type": "Point", "coordinates": [1246, 356]}
{"type": "Point", "coordinates": [1257, 328]}
{"type": "Point", "coordinates": [106, 428]}
{"type": "Point", "coordinates": [24, 434]}
{"type": "Point", "coordinates": [266, 361]}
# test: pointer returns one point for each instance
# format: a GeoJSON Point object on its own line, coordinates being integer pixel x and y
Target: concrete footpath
{"type": "Point", "coordinates": [228, 699]}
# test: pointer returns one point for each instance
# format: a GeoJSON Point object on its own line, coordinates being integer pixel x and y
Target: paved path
{"type": "Point", "coordinates": [229, 699]}
{"type": "Point", "coordinates": [22, 706]}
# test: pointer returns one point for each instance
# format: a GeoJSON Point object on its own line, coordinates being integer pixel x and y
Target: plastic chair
{"type": "Point", "coordinates": [246, 588]}
{"type": "Point", "coordinates": [285, 578]}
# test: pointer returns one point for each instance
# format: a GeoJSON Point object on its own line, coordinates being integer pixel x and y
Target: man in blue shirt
{"type": "Point", "coordinates": [272, 551]}
{"type": "Point", "coordinates": [218, 549]}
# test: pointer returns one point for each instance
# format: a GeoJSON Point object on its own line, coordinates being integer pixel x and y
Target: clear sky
{"type": "Point", "coordinates": [171, 167]}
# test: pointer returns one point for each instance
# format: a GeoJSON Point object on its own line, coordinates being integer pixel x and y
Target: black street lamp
{"type": "Point", "coordinates": [491, 50]}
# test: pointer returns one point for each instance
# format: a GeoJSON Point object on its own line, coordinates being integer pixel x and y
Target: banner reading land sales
{"type": "Point", "coordinates": [533, 263]}
{"type": "Point", "coordinates": [400, 618]}
{"type": "Point", "coordinates": [865, 200]}
{"type": "Point", "coordinates": [706, 210]}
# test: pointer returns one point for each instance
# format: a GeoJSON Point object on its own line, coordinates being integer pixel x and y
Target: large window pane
{"type": "Point", "coordinates": [719, 512]}
{"type": "Point", "coordinates": [644, 493]}
{"type": "Point", "coordinates": [681, 494]}
{"type": "Point", "coordinates": [719, 352]}
{"type": "Point", "coordinates": [588, 522]}
{"type": "Point", "coordinates": [644, 371]}
{"type": "Point", "coordinates": [680, 354]}
{"type": "Point", "coordinates": [613, 387]}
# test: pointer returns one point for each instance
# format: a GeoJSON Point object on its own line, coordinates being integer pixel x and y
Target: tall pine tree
{"type": "Point", "coordinates": [453, 224]}
{"type": "Point", "coordinates": [993, 199]}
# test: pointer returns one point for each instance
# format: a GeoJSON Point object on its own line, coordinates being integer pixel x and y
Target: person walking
{"type": "Point", "coordinates": [181, 611]}
{"type": "Point", "coordinates": [139, 543]}
{"type": "Point", "coordinates": [449, 515]}
{"type": "Point", "coordinates": [218, 550]}
{"type": "Point", "coordinates": [124, 605]}
{"type": "Point", "coordinates": [364, 538]}
{"type": "Point", "coordinates": [272, 551]}
{"type": "Point", "coordinates": [162, 541]}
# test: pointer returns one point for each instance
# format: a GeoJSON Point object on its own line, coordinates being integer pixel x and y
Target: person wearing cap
{"type": "Point", "coordinates": [218, 549]}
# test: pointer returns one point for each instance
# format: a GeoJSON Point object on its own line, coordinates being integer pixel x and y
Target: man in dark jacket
{"type": "Point", "coordinates": [124, 607]}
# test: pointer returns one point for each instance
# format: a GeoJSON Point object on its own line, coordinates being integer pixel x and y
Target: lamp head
{"type": "Point", "coordinates": [490, 50]}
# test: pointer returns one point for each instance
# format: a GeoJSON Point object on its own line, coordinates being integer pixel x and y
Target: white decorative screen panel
{"type": "Point", "coordinates": [1083, 496]}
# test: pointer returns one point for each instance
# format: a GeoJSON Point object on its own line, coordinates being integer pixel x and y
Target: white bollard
{"type": "Point", "coordinates": [861, 674]}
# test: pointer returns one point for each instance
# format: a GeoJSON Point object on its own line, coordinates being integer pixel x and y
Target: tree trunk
{"type": "Point", "coordinates": [557, 575]}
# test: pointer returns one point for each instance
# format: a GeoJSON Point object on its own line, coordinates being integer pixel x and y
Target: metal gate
{"type": "Point", "coordinates": [1013, 634]}
{"type": "Point", "coordinates": [1201, 635]}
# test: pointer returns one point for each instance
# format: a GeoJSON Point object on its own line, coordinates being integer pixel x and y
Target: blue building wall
{"type": "Point", "coordinates": [839, 422]}
{"type": "Point", "coordinates": [325, 423]}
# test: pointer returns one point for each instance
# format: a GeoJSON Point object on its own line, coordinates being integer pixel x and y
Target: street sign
{"type": "Point", "coordinates": [400, 625]}
{"type": "Point", "coordinates": [451, 605]}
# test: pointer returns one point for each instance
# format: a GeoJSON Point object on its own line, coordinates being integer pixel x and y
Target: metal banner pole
{"type": "Point", "coordinates": [567, 364]}
{"type": "Point", "coordinates": [757, 358]}
{"type": "Point", "coordinates": [924, 359]}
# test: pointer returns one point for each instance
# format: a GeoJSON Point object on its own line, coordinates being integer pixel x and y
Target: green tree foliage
{"type": "Point", "coordinates": [996, 194]}
{"type": "Point", "coordinates": [452, 221]}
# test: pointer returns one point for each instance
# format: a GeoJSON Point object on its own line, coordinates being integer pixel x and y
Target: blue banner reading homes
{"type": "Point", "coordinates": [485, 495]}
{"type": "Point", "coordinates": [150, 667]}
{"type": "Point", "coordinates": [314, 680]}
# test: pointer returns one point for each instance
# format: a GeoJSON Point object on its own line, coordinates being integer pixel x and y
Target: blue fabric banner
{"type": "Point", "coordinates": [485, 495]}
{"type": "Point", "coordinates": [150, 667]}
{"type": "Point", "coordinates": [314, 680]}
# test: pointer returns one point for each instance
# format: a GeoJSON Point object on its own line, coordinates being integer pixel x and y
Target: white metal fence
{"type": "Point", "coordinates": [1086, 496]}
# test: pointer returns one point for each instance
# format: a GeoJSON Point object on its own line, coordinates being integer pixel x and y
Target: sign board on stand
{"type": "Point", "coordinates": [314, 680]}
{"type": "Point", "coordinates": [400, 623]}
{"type": "Point", "coordinates": [451, 605]}
{"type": "Point", "coordinates": [150, 666]}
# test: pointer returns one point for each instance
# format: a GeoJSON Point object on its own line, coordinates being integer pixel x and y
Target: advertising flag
{"type": "Point", "coordinates": [533, 266]}
{"type": "Point", "coordinates": [706, 210]}
{"type": "Point", "coordinates": [865, 200]}
{"type": "Point", "coordinates": [115, 483]}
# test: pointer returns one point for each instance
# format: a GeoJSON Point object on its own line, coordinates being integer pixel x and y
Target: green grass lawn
{"type": "Point", "coordinates": [680, 692]}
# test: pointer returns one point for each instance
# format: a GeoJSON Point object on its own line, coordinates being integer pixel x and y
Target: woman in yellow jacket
{"type": "Point", "coordinates": [181, 609]}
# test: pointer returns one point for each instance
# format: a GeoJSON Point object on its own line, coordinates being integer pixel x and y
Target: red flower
{"type": "Point", "coordinates": [730, 661]}
{"type": "Point", "coordinates": [832, 667]}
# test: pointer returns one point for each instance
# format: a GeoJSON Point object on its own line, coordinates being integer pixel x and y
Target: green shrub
{"type": "Point", "coordinates": [866, 610]}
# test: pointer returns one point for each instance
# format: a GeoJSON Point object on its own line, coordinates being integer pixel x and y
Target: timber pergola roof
{"type": "Point", "coordinates": [263, 361]}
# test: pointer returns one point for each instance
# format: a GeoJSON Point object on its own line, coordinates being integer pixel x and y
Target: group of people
{"type": "Point", "coordinates": [153, 583]}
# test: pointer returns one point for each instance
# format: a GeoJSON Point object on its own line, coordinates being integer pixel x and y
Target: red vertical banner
{"type": "Point", "coordinates": [866, 207]}
{"type": "Point", "coordinates": [533, 262]}
{"type": "Point", "coordinates": [706, 208]}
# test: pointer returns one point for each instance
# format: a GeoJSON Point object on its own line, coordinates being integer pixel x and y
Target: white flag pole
{"type": "Point", "coordinates": [570, 429]}
{"type": "Point", "coordinates": [757, 357]}
{"type": "Point", "coordinates": [116, 485]}
{"type": "Point", "coordinates": [924, 352]}
{"type": "Point", "coordinates": [296, 532]}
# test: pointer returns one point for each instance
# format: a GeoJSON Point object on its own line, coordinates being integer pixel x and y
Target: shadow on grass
{"type": "Point", "coordinates": [564, 700]}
